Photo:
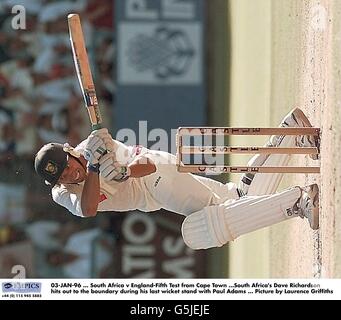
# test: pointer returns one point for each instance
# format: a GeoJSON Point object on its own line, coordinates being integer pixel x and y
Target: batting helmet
{"type": "Point", "coordinates": [50, 162]}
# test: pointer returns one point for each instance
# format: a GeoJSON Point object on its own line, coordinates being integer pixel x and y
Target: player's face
{"type": "Point", "coordinates": [73, 173]}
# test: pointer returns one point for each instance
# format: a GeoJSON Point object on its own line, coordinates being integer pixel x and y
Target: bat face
{"type": "Point", "coordinates": [83, 70]}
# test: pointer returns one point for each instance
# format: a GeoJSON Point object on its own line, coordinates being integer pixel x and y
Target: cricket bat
{"type": "Point", "coordinates": [81, 60]}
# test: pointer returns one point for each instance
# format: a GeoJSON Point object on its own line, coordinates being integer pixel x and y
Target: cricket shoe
{"type": "Point", "coordinates": [307, 206]}
{"type": "Point", "coordinates": [297, 118]}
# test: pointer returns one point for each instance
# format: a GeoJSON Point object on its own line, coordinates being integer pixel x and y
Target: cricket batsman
{"type": "Point", "coordinates": [102, 174]}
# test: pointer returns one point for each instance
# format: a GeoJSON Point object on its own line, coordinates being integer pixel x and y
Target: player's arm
{"type": "Point", "coordinates": [90, 195]}
{"type": "Point", "coordinates": [81, 201]}
{"type": "Point", "coordinates": [94, 149]}
{"type": "Point", "coordinates": [141, 167]}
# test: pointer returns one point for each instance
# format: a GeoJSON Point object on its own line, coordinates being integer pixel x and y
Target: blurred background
{"type": "Point", "coordinates": [148, 60]}
{"type": "Point", "coordinates": [164, 64]}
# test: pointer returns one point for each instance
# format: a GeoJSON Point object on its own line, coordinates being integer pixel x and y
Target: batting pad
{"type": "Point", "coordinates": [214, 226]}
{"type": "Point", "coordinates": [206, 228]}
{"type": "Point", "coordinates": [267, 183]}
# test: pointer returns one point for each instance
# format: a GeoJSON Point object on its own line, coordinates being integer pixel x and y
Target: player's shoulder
{"type": "Point", "coordinates": [57, 190]}
{"type": "Point", "coordinates": [62, 189]}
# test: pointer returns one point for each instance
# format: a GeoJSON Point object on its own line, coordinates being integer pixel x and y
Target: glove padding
{"type": "Point", "coordinates": [101, 133]}
{"type": "Point", "coordinates": [98, 143]}
{"type": "Point", "coordinates": [111, 170]}
{"type": "Point", "coordinates": [94, 149]}
{"type": "Point", "coordinates": [106, 138]}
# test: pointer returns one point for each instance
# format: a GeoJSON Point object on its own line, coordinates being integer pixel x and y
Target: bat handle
{"type": "Point", "coordinates": [96, 126]}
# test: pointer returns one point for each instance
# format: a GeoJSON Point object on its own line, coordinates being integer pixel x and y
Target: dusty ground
{"type": "Point", "coordinates": [305, 71]}
{"type": "Point", "coordinates": [308, 32]}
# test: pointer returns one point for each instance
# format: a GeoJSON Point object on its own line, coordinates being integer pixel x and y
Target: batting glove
{"type": "Point", "coordinates": [94, 149]}
{"type": "Point", "coordinates": [111, 170]}
{"type": "Point", "coordinates": [101, 133]}
{"type": "Point", "coordinates": [106, 138]}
